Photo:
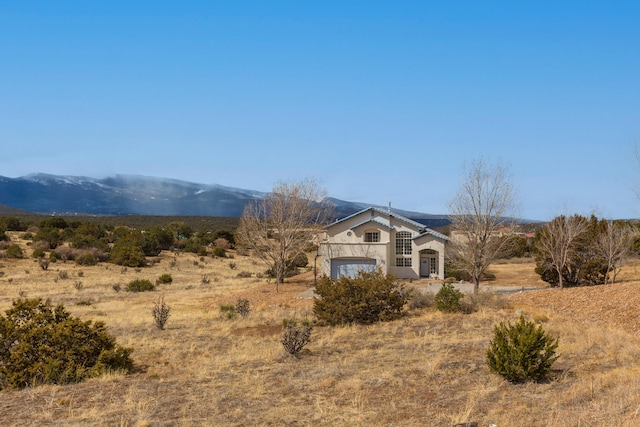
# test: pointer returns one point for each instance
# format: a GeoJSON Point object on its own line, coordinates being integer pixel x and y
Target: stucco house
{"type": "Point", "coordinates": [377, 238]}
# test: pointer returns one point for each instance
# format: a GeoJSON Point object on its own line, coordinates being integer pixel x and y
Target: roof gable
{"type": "Point", "coordinates": [420, 228]}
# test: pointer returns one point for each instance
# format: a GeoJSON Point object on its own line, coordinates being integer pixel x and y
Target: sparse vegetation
{"type": "Point", "coordinates": [426, 368]}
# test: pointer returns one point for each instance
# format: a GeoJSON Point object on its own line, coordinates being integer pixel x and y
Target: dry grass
{"type": "Point", "coordinates": [204, 369]}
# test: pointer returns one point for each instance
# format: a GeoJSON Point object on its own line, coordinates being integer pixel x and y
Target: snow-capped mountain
{"type": "Point", "coordinates": [142, 195]}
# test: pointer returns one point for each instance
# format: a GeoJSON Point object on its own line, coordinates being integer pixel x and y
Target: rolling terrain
{"type": "Point", "coordinates": [425, 369]}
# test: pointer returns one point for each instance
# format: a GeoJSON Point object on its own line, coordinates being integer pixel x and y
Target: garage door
{"type": "Point", "coordinates": [350, 267]}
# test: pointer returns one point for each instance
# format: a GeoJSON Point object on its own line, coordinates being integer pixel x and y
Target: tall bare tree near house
{"type": "Point", "coordinates": [557, 242]}
{"type": "Point", "coordinates": [483, 207]}
{"type": "Point", "coordinates": [281, 226]}
{"type": "Point", "coordinates": [613, 245]}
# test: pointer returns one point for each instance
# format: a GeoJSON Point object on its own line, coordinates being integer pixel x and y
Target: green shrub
{"type": "Point", "coordinates": [521, 352]}
{"type": "Point", "coordinates": [42, 344]}
{"type": "Point", "coordinates": [368, 298]}
{"type": "Point", "coordinates": [219, 252]}
{"type": "Point", "coordinates": [4, 237]}
{"type": "Point", "coordinates": [86, 258]}
{"type": "Point", "coordinates": [38, 253]}
{"type": "Point", "coordinates": [140, 285]}
{"type": "Point", "coordinates": [14, 251]}
{"type": "Point", "coordinates": [448, 299]}
{"type": "Point", "coordinates": [229, 310]}
{"type": "Point", "coordinates": [165, 279]}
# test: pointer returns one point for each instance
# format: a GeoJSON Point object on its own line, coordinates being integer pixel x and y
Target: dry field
{"type": "Point", "coordinates": [425, 370]}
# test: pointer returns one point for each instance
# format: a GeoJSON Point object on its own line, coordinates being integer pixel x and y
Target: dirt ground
{"type": "Point", "coordinates": [616, 304]}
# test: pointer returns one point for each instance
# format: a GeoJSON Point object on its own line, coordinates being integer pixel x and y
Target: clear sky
{"type": "Point", "coordinates": [380, 101]}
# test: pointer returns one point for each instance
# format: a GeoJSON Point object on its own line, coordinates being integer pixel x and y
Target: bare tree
{"type": "Point", "coordinates": [283, 224]}
{"type": "Point", "coordinates": [482, 214]}
{"type": "Point", "coordinates": [557, 242]}
{"type": "Point", "coordinates": [613, 246]}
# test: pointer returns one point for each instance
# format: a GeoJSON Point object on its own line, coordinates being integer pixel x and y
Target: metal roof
{"type": "Point", "coordinates": [421, 228]}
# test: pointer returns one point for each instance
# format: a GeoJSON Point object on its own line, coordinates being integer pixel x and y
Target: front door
{"type": "Point", "coordinates": [425, 267]}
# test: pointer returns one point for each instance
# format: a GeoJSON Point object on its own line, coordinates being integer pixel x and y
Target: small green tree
{"type": "Point", "coordinates": [368, 298]}
{"type": "Point", "coordinates": [128, 252]}
{"type": "Point", "coordinates": [521, 352]}
{"type": "Point", "coordinates": [448, 299]}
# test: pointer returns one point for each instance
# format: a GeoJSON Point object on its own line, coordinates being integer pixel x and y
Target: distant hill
{"type": "Point", "coordinates": [141, 195]}
{"type": "Point", "coordinates": [9, 211]}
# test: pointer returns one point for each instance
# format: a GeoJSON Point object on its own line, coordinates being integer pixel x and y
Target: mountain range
{"type": "Point", "coordinates": [142, 195]}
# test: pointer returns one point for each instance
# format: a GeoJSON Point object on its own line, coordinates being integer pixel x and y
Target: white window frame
{"type": "Point", "coordinates": [403, 243]}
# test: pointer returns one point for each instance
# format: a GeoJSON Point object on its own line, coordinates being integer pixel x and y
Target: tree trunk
{"type": "Point", "coordinates": [560, 282]}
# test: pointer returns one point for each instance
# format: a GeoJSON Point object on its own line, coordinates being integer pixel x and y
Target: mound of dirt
{"type": "Point", "coordinates": [617, 304]}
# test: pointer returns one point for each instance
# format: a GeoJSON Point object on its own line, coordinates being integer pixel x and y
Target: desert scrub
{"type": "Point", "coordinates": [521, 352]}
{"type": "Point", "coordinates": [160, 313]}
{"type": "Point", "coordinates": [242, 307]}
{"type": "Point", "coordinates": [368, 298]}
{"type": "Point", "coordinates": [165, 279]}
{"type": "Point", "coordinates": [140, 285]}
{"type": "Point", "coordinates": [294, 336]}
{"type": "Point", "coordinates": [43, 344]}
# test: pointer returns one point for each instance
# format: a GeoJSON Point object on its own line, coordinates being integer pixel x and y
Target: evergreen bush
{"type": "Point", "coordinates": [448, 299]}
{"type": "Point", "coordinates": [41, 344]}
{"type": "Point", "coordinates": [165, 279]}
{"type": "Point", "coordinates": [521, 352]}
{"type": "Point", "coordinates": [140, 285]}
{"type": "Point", "coordinates": [368, 298]}
{"type": "Point", "coordinates": [14, 251]}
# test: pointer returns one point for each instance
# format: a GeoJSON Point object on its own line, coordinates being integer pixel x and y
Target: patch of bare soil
{"type": "Point", "coordinates": [264, 295]}
{"type": "Point", "coordinates": [616, 304]}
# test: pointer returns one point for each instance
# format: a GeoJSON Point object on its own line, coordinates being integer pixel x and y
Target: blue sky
{"type": "Point", "coordinates": [380, 101]}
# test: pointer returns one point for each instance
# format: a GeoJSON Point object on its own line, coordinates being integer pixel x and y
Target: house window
{"type": "Point", "coordinates": [403, 243]}
{"type": "Point", "coordinates": [372, 236]}
{"type": "Point", "coordinates": [433, 266]}
{"type": "Point", "coordinates": [403, 262]}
